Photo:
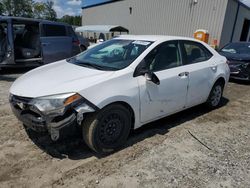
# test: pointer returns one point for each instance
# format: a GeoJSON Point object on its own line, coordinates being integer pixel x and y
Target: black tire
{"type": "Point", "coordinates": [108, 129]}
{"type": "Point", "coordinates": [215, 96]}
{"type": "Point", "coordinates": [82, 48]}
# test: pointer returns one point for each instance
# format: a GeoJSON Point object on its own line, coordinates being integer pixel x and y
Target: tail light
{"type": "Point", "coordinates": [76, 42]}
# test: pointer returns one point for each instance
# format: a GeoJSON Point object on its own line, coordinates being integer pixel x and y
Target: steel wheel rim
{"type": "Point", "coordinates": [111, 129]}
{"type": "Point", "coordinates": [216, 95]}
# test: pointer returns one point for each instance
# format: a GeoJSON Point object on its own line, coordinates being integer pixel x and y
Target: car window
{"type": "Point", "coordinates": [165, 56]}
{"type": "Point", "coordinates": [114, 54]}
{"type": "Point", "coordinates": [196, 52]}
{"type": "Point", "coordinates": [71, 33]}
{"type": "Point", "coordinates": [54, 30]}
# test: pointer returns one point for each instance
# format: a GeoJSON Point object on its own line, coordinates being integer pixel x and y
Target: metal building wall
{"type": "Point", "coordinates": [229, 22]}
{"type": "Point", "coordinates": [234, 21]}
{"type": "Point", "coordinates": [244, 13]}
{"type": "Point", "coordinates": [168, 17]}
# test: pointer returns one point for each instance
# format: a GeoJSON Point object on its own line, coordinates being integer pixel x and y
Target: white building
{"type": "Point", "coordinates": [225, 20]}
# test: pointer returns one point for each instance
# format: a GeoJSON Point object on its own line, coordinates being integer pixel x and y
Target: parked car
{"type": "Point", "coordinates": [32, 42]}
{"type": "Point", "coordinates": [119, 85]}
{"type": "Point", "coordinates": [83, 42]}
{"type": "Point", "coordinates": [238, 55]}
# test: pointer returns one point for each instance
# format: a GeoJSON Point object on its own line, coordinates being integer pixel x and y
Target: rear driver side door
{"type": "Point", "coordinates": [201, 67]}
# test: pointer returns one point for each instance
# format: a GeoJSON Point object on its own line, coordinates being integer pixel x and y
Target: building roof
{"type": "Point", "coordinates": [244, 3]}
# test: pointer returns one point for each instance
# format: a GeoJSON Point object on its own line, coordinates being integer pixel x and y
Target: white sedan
{"type": "Point", "coordinates": [119, 85]}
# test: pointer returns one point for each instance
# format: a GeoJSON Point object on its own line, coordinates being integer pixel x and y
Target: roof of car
{"type": "Point", "coordinates": [154, 37]}
{"type": "Point", "coordinates": [29, 20]}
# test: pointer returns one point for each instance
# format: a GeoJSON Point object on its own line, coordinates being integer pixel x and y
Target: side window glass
{"type": "Point", "coordinates": [165, 56]}
{"type": "Point", "coordinates": [72, 33]}
{"type": "Point", "coordinates": [196, 52]}
{"type": "Point", "coordinates": [54, 30]}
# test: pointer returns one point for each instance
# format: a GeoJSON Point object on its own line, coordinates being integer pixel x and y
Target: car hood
{"type": "Point", "coordinates": [56, 78]}
{"type": "Point", "coordinates": [236, 57]}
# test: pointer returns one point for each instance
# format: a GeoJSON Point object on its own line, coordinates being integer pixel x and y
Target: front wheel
{"type": "Point", "coordinates": [215, 96]}
{"type": "Point", "coordinates": [108, 129]}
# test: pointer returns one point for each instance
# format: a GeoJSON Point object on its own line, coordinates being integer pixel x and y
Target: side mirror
{"type": "Point", "coordinates": [143, 70]}
{"type": "Point", "coordinates": [150, 76]}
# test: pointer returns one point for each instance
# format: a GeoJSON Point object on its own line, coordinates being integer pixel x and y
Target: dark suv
{"type": "Point", "coordinates": [26, 42]}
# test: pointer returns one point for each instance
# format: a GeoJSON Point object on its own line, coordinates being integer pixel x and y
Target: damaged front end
{"type": "Point", "coordinates": [240, 70]}
{"type": "Point", "coordinates": [51, 113]}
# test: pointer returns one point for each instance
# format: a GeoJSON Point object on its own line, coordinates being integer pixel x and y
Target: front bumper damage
{"type": "Point", "coordinates": [238, 71]}
{"type": "Point", "coordinates": [33, 119]}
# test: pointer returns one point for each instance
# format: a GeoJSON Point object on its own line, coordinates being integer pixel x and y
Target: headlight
{"type": "Point", "coordinates": [245, 65]}
{"type": "Point", "coordinates": [55, 103]}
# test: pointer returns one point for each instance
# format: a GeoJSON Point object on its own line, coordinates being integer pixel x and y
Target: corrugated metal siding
{"type": "Point", "coordinates": [228, 31]}
{"type": "Point", "coordinates": [229, 20]}
{"type": "Point", "coordinates": [168, 17]}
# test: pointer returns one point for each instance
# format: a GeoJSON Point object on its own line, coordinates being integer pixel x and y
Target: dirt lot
{"type": "Point", "coordinates": [161, 154]}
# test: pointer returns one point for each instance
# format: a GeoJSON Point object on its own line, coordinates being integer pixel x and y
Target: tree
{"type": "Point", "coordinates": [1, 8]}
{"type": "Point", "coordinates": [17, 8]}
{"type": "Point", "coordinates": [72, 20]}
{"type": "Point", "coordinates": [50, 13]}
{"type": "Point", "coordinates": [39, 10]}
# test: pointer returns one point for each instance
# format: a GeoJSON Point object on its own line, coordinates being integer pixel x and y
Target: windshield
{"type": "Point", "coordinates": [114, 54]}
{"type": "Point", "coordinates": [237, 48]}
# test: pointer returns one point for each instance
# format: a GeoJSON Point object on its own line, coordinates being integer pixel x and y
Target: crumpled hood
{"type": "Point", "coordinates": [56, 78]}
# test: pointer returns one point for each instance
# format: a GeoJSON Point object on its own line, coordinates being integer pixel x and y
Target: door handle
{"type": "Point", "coordinates": [183, 74]}
{"type": "Point", "coordinates": [214, 68]}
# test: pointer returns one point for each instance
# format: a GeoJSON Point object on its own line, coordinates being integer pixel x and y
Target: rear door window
{"type": "Point", "coordinates": [50, 30]}
{"type": "Point", "coordinates": [195, 52]}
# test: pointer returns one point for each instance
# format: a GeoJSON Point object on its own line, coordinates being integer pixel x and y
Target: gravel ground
{"type": "Point", "coordinates": [166, 153]}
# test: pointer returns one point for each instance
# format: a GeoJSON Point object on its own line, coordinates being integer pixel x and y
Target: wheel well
{"type": "Point", "coordinates": [221, 80]}
{"type": "Point", "coordinates": [126, 105]}
{"type": "Point", "coordinates": [83, 46]}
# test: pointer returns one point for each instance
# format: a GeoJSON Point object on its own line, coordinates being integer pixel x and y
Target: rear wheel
{"type": "Point", "coordinates": [108, 129]}
{"type": "Point", "coordinates": [215, 96]}
{"type": "Point", "coordinates": [82, 48]}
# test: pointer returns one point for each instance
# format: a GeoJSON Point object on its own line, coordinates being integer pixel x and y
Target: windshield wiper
{"type": "Point", "coordinates": [86, 64]}
{"type": "Point", "coordinates": [95, 66]}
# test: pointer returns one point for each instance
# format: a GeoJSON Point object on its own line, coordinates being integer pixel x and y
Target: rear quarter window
{"type": "Point", "coordinates": [50, 30]}
{"type": "Point", "coordinates": [195, 52]}
{"type": "Point", "coordinates": [72, 33]}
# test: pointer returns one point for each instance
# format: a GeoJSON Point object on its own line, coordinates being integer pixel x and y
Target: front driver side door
{"type": "Point", "coordinates": [157, 101]}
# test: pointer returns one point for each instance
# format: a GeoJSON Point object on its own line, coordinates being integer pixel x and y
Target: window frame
{"type": "Point", "coordinates": [161, 44]}
{"type": "Point", "coordinates": [207, 52]}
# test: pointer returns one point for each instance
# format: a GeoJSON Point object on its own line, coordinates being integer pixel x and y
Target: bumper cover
{"type": "Point", "coordinates": [38, 122]}
{"type": "Point", "coordinates": [239, 73]}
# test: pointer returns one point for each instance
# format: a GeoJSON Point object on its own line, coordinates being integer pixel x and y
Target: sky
{"type": "Point", "coordinates": [71, 7]}
{"type": "Point", "coordinates": [247, 2]}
